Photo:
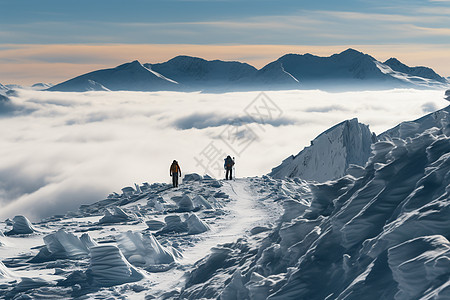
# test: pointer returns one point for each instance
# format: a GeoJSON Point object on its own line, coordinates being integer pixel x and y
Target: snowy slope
{"type": "Point", "coordinates": [439, 119]}
{"type": "Point", "coordinates": [3, 96]}
{"type": "Point", "coordinates": [380, 233]}
{"type": "Point", "coordinates": [14, 86]}
{"type": "Point", "coordinates": [130, 76]}
{"type": "Point", "coordinates": [147, 236]}
{"type": "Point", "coordinates": [333, 151]}
{"type": "Point", "coordinates": [409, 80]}
{"type": "Point", "coordinates": [348, 70]}
{"type": "Point", "coordinates": [197, 73]}
{"type": "Point", "coordinates": [330, 154]}
{"type": "Point", "coordinates": [423, 72]}
{"type": "Point", "coordinates": [347, 66]}
{"type": "Point", "coordinates": [41, 86]}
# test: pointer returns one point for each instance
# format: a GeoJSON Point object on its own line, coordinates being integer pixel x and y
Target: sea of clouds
{"type": "Point", "coordinates": [61, 150]}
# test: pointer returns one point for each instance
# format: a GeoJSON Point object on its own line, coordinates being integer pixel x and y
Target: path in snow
{"type": "Point", "coordinates": [245, 211]}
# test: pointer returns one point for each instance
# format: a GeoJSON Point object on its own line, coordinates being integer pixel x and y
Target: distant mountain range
{"type": "Point", "coordinates": [36, 86]}
{"type": "Point", "coordinates": [348, 70]}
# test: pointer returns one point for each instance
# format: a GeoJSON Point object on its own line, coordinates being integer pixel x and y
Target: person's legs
{"type": "Point", "coordinates": [231, 173]}
{"type": "Point", "coordinates": [226, 174]}
{"type": "Point", "coordinates": [174, 179]}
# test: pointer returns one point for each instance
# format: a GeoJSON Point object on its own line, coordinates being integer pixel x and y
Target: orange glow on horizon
{"type": "Point", "coordinates": [28, 64]}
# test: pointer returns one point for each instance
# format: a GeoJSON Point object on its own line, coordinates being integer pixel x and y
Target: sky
{"type": "Point", "coordinates": [51, 41]}
{"type": "Point", "coordinates": [61, 150]}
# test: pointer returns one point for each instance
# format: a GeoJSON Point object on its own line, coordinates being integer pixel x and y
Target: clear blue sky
{"type": "Point", "coordinates": [413, 24]}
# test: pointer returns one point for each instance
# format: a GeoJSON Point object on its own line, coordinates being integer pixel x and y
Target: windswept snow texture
{"type": "Point", "coordinates": [116, 216]}
{"type": "Point", "coordinates": [5, 274]}
{"type": "Point", "coordinates": [68, 245]}
{"type": "Point", "coordinates": [144, 250]}
{"type": "Point", "coordinates": [381, 232]}
{"type": "Point", "coordinates": [381, 235]}
{"type": "Point", "coordinates": [348, 70]}
{"type": "Point", "coordinates": [21, 225]}
{"type": "Point", "coordinates": [330, 154]}
{"type": "Point", "coordinates": [109, 267]}
{"type": "Point", "coordinates": [409, 129]}
{"type": "Point", "coordinates": [77, 255]}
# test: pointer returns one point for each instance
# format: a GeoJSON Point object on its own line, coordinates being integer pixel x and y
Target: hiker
{"type": "Point", "coordinates": [229, 163]}
{"type": "Point", "coordinates": [174, 171]}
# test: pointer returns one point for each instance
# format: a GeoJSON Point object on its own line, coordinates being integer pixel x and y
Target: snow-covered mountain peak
{"type": "Point", "coordinates": [186, 59]}
{"type": "Point", "coordinates": [423, 72]}
{"type": "Point", "coordinates": [135, 64]}
{"type": "Point", "coordinates": [129, 76]}
{"type": "Point", "coordinates": [348, 70]}
{"type": "Point", "coordinates": [330, 154]}
{"type": "Point", "coordinates": [394, 62]}
{"type": "Point", "coordinates": [3, 94]}
{"type": "Point", "coordinates": [41, 86]}
{"type": "Point", "coordinates": [200, 74]}
{"type": "Point", "coordinates": [351, 53]}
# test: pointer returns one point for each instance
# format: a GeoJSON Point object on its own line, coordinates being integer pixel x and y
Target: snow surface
{"type": "Point", "coordinates": [199, 74]}
{"type": "Point", "coordinates": [412, 79]}
{"type": "Point", "coordinates": [423, 72]}
{"type": "Point", "coordinates": [381, 232]}
{"type": "Point", "coordinates": [381, 235]}
{"type": "Point", "coordinates": [21, 225]}
{"type": "Point", "coordinates": [330, 154]}
{"type": "Point", "coordinates": [41, 86]}
{"type": "Point", "coordinates": [409, 129]}
{"type": "Point", "coordinates": [126, 251]}
{"type": "Point", "coordinates": [345, 147]}
{"type": "Point", "coordinates": [131, 76]}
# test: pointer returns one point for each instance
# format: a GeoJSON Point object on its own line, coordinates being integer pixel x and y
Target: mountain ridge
{"type": "Point", "coordinates": [346, 147]}
{"type": "Point", "coordinates": [128, 76]}
{"type": "Point", "coordinates": [330, 154]}
{"type": "Point", "coordinates": [350, 69]}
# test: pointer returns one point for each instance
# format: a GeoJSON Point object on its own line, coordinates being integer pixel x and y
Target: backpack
{"type": "Point", "coordinates": [174, 168]}
{"type": "Point", "coordinates": [229, 162]}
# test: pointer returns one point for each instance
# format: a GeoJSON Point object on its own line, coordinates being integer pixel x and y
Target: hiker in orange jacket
{"type": "Point", "coordinates": [175, 170]}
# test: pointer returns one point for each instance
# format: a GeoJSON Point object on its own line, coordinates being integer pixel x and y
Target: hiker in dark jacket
{"type": "Point", "coordinates": [175, 170]}
{"type": "Point", "coordinates": [229, 163]}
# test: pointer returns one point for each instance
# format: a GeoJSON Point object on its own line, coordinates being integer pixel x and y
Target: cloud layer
{"type": "Point", "coordinates": [60, 150]}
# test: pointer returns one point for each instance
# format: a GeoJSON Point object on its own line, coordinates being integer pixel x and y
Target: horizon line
{"type": "Point", "coordinates": [23, 64]}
